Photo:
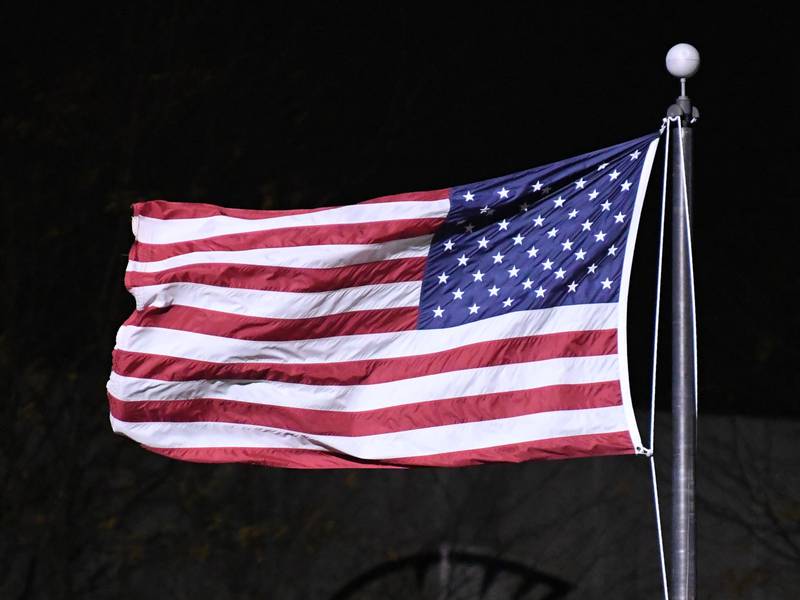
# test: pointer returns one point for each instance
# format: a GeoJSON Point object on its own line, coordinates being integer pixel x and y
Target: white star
{"type": "Point", "coordinates": [538, 221]}
{"type": "Point", "coordinates": [462, 260]}
{"type": "Point", "coordinates": [606, 283]}
{"type": "Point", "coordinates": [513, 271]}
{"type": "Point", "coordinates": [469, 227]}
{"type": "Point", "coordinates": [536, 186]}
{"type": "Point", "coordinates": [533, 252]}
{"type": "Point", "coordinates": [518, 239]}
{"type": "Point", "coordinates": [458, 294]}
{"type": "Point", "coordinates": [572, 287]}
{"type": "Point", "coordinates": [524, 207]}
{"type": "Point", "coordinates": [619, 217]}
{"type": "Point", "coordinates": [613, 251]}
{"type": "Point", "coordinates": [626, 185]}
{"type": "Point", "coordinates": [507, 302]}
{"type": "Point", "coordinates": [593, 194]}
{"type": "Point", "coordinates": [503, 225]}
{"type": "Point", "coordinates": [566, 245]}
{"type": "Point", "coordinates": [443, 277]}
{"type": "Point", "coordinates": [540, 292]}
{"type": "Point", "coordinates": [573, 213]}
{"type": "Point", "coordinates": [552, 233]}
{"type": "Point", "coordinates": [580, 254]}
{"type": "Point", "coordinates": [478, 276]}
{"type": "Point", "coordinates": [614, 174]}
{"type": "Point", "coordinates": [438, 312]}
{"type": "Point", "coordinates": [503, 193]}
{"type": "Point", "coordinates": [448, 245]}
{"type": "Point", "coordinates": [469, 196]}
{"type": "Point", "coordinates": [545, 190]}
{"type": "Point", "coordinates": [592, 268]}
{"type": "Point", "coordinates": [606, 205]}
{"type": "Point", "coordinates": [560, 274]}
{"type": "Point", "coordinates": [600, 236]}
{"type": "Point", "coordinates": [559, 202]}
{"type": "Point", "coordinates": [493, 290]}
{"type": "Point", "coordinates": [547, 265]}
{"type": "Point", "coordinates": [498, 258]}
{"type": "Point", "coordinates": [483, 243]}
{"type": "Point", "coordinates": [580, 184]}
{"type": "Point", "coordinates": [485, 210]}
{"type": "Point", "coordinates": [587, 225]}
{"type": "Point", "coordinates": [603, 166]}
{"type": "Point", "coordinates": [635, 155]}
{"type": "Point", "coordinates": [473, 310]}
{"type": "Point", "coordinates": [527, 284]}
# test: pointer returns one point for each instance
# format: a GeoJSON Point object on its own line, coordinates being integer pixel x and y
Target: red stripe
{"type": "Point", "coordinates": [483, 354]}
{"type": "Point", "coordinates": [443, 194]}
{"type": "Point", "coordinates": [162, 209]}
{"type": "Point", "coordinates": [449, 411]}
{"type": "Point", "coordinates": [346, 233]}
{"type": "Point", "coordinates": [578, 446]}
{"type": "Point", "coordinates": [211, 322]}
{"type": "Point", "coordinates": [285, 279]}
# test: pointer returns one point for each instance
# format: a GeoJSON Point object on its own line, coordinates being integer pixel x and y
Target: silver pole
{"type": "Point", "coordinates": [682, 61]}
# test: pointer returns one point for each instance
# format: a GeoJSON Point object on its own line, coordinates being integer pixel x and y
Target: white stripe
{"type": "Point", "coordinates": [347, 398]}
{"type": "Point", "coordinates": [167, 231]}
{"type": "Point", "coordinates": [414, 442]}
{"type": "Point", "coordinates": [309, 257]}
{"type": "Point", "coordinates": [197, 346]}
{"type": "Point", "coordinates": [279, 305]}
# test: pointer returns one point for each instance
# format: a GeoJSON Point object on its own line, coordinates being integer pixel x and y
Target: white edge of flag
{"type": "Point", "coordinates": [622, 327]}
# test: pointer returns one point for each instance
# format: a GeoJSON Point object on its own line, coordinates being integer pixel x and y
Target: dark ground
{"type": "Point", "coordinates": [333, 105]}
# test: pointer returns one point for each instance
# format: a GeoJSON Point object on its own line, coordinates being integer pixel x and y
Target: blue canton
{"type": "Point", "coordinates": [550, 236]}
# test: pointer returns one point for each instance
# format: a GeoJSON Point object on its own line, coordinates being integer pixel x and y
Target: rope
{"type": "Point", "coordinates": [656, 504]}
{"type": "Point", "coordinates": [658, 295]}
{"type": "Point", "coordinates": [658, 526]}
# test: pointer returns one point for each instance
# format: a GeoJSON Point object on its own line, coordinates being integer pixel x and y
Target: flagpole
{"type": "Point", "coordinates": [683, 61]}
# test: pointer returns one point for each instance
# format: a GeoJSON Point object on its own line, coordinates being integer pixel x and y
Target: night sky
{"type": "Point", "coordinates": [292, 108]}
{"type": "Point", "coordinates": [326, 105]}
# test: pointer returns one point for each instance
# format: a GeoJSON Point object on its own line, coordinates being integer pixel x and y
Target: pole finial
{"type": "Point", "coordinates": [683, 60]}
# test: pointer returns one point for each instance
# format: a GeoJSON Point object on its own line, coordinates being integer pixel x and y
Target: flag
{"type": "Point", "coordinates": [479, 323]}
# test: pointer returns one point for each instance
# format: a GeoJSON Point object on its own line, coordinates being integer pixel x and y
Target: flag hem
{"type": "Point", "coordinates": [622, 321]}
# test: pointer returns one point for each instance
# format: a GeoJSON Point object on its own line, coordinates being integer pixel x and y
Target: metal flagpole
{"type": "Point", "coordinates": [683, 61]}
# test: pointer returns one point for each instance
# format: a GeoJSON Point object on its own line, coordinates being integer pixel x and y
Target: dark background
{"type": "Point", "coordinates": [319, 105]}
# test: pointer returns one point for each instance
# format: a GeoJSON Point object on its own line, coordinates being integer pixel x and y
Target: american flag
{"type": "Point", "coordinates": [480, 323]}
